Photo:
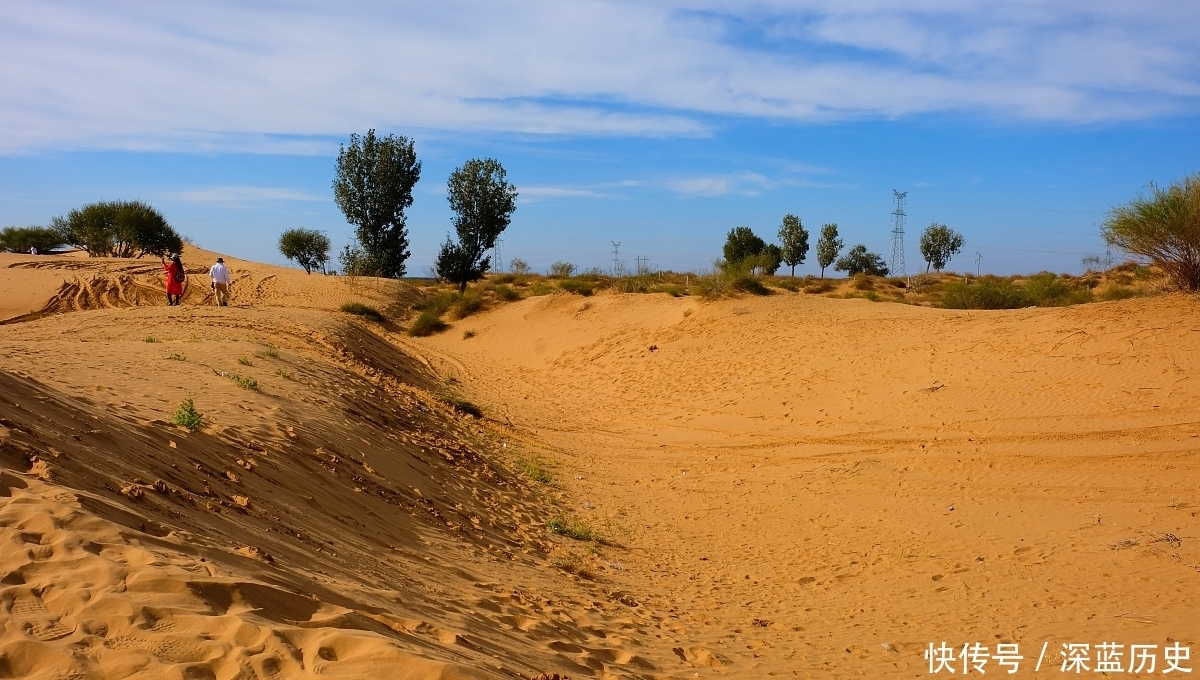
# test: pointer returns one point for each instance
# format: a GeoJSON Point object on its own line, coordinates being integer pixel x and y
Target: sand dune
{"type": "Point", "coordinates": [791, 485]}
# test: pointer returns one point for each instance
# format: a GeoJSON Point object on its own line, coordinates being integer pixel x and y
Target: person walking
{"type": "Point", "coordinates": [175, 278]}
{"type": "Point", "coordinates": [220, 282]}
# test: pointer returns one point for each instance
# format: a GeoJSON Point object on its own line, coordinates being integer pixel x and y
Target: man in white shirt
{"type": "Point", "coordinates": [220, 282]}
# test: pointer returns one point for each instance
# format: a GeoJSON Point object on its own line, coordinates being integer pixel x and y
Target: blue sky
{"type": "Point", "coordinates": [659, 124]}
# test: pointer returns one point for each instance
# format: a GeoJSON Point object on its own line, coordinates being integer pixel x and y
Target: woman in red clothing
{"type": "Point", "coordinates": [175, 279]}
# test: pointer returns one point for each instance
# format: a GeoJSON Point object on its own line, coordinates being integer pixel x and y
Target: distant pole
{"type": "Point", "coordinates": [616, 266]}
{"type": "Point", "coordinates": [497, 263]}
{"type": "Point", "coordinates": [978, 260]}
{"type": "Point", "coordinates": [898, 269]}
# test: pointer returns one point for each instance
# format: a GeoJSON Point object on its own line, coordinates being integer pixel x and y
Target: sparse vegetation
{"type": "Point", "coordinates": [467, 335]}
{"type": "Point", "coordinates": [518, 266]}
{"type": "Point", "coordinates": [286, 375]}
{"type": "Point", "coordinates": [562, 270]}
{"type": "Point", "coordinates": [175, 356]}
{"type": "Point", "coordinates": [984, 293]}
{"type": "Point", "coordinates": [269, 352]}
{"type": "Point", "coordinates": [577, 286]}
{"type": "Point", "coordinates": [244, 382]}
{"type": "Point", "coordinates": [532, 467]}
{"type": "Point", "coordinates": [187, 416]}
{"type": "Point", "coordinates": [505, 293]}
{"type": "Point", "coordinates": [150, 339]}
{"type": "Point", "coordinates": [459, 404]}
{"type": "Point", "coordinates": [245, 361]}
{"type": "Point", "coordinates": [572, 528]}
{"type": "Point", "coordinates": [365, 311]}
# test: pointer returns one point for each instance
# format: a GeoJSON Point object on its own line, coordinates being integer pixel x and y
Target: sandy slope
{"type": "Point", "coordinates": [791, 485]}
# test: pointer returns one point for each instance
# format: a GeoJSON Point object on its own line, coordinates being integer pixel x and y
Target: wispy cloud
{"type": "Point", "coordinates": [231, 75]}
{"type": "Point", "coordinates": [528, 194]}
{"type": "Point", "coordinates": [241, 195]}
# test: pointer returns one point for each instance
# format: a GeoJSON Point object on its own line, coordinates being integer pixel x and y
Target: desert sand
{"type": "Point", "coordinates": [788, 486]}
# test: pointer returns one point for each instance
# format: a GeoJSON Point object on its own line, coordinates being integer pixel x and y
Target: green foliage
{"type": "Point", "coordinates": [1047, 290]}
{"type": "Point", "coordinates": [794, 238]}
{"type": "Point", "coordinates": [21, 239]}
{"type": "Point", "coordinates": [1118, 292]}
{"type": "Point", "coordinates": [860, 260]}
{"type": "Point", "coordinates": [576, 286]}
{"type": "Point", "coordinates": [1163, 228]}
{"type": "Point", "coordinates": [483, 203]}
{"type": "Point", "coordinates": [532, 467]}
{"type": "Point", "coordinates": [741, 244]}
{"type": "Point", "coordinates": [505, 293]}
{"type": "Point", "coordinates": [373, 187]}
{"type": "Point", "coordinates": [730, 278]}
{"type": "Point", "coordinates": [938, 244]}
{"type": "Point", "coordinates": [245, 361]}
{"type": "Point", "coordinates": [427, 323]}
{"type": "Point", "coordinates": [562, 270]}
{"type": "Point", "coordinates": [119, 229]}
{"type": "Point", "coordinates": [150, 338]}
{"type": "Point", "coordinates": [308, 247]}
{"type": "Point", "coordinates": [244, 382]}
{"type": "Point", "coordinates": [187, 416]}
{"type": "Point", "coordinates": [828, 247]}
{"type": "Point", "coordinates": [270, 352]}
{"type": "Point", "coordinates": [571, 528]}
{"type": "Point", "coordinates": [984, 293]}
{"type": "Point", "coordinates": [518, 266]}
{"type": "Point", "coordinates": [466, 304]}
{"type": "Point", "coordinates": [768, 261]}
{"type": "Point", "coordinates": [365, 311]}
{"type": "Point", "coordinates": [540, 288]}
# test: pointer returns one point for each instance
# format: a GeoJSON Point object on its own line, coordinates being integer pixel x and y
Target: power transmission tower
{"type": "Point", "coordinates": [618, 267]}
{"type": "Point", "coordinates": [978, 260]}
{"type": "Point", "coordinates": [497, 263]}
{"type": "Point", "coordinates": [643, 265]}
{"type": "Point", "coordinates": [898, 236]}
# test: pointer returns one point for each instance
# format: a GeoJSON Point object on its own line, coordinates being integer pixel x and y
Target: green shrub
{"type": "Point", "coordinates": [359, 309]}
{"type": "Point", "coordinates": [562, 270]}
{"type": "Point", "coordinates": [1047, 290]}
{"type": "Point", "coordinates": [576, 286]}
{"type": "Point", "coordinates": [787, 284]}
{"type": "Point", "coordinates": [150, 338]}
{"type": "Point", "coordinates": [985, 293]}
{"type": "Point", "coordinates": [540, 288]}
{"type": "Point", "coordinates": [175, 356]}
{"type": "Point", "coordinates": [465, 304]}
{"type": "Point", "coordinates": [428, 323]}
{"type": "Point", "coordinates": [863, 282]}
{"type": "Point", "coordinates": [1118, 292]}
{"type": "Point", "coordinates": [505, 293]}
{"type": "Point", "coordinates": [459, 404]}
{"type": "Point", "coordinates": [821, 286]}
{"type": "Point", "coordinates": [571, 528]}
{"type": "Point", "coordinates": [244, 382]}
{"type": "Point", "coordinates": [245, 362]}
{"type": "Point", "coordinates": [21, 239]}
{"type": "Point", "coordinates": [187, 416]}
{"type": "Point", "coordinates": [674, 290]}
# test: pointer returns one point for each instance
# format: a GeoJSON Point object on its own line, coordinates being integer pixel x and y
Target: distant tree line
{"type": "Point", "coordinates": [103, 229]}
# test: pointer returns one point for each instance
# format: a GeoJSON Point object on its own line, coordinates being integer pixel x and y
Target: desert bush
{"type": "Point", "coordinates": [505, 293]}
{"type": "Point", "coordinates": [1118, 292]}
{"type": "Point", "coordinates": [365, 311]}
{"type": "Point", "coordinates": [518, 266]}
{"type": "Point", "coordinates": [1047, 290]}
{"type": "Point", "coordinates": [187, 416]}
{"type": "Point", "coordinates": [562, 270]}
{"type": "Point", "coordinates": [21, 239]}
{"type": "Point", "coordinates": [674, 290]}
{"type": "Point", "coordinates": [863, 282]}
{"type": "Point", "coordinates": [984, 293]}
{"type": "Point", "coordinates": [577, 286]}
{"type": "Point", "coordinates": [1163, 228]}
{"type": "Point", "coordinates": [540, 288]}
{"type": "Point", "coordinates": [245, 361]}
{"type": "Point", "coordinates": [459, 404]}
{"type": "Point", "coordinates": [468, 334]}
{"type": "Point", "coordinates": [532, 467]}
{"type": "Point", "coordinates": [571, 528]}
{"type": "Point", "coordinates": [465, 304]}
{"type": "Point", "coordinates": [427, 323]}
{"type": "Point", "coordinates": [245, 382]}
{"type": "Point", "coordinates": [820, 286]}
{"type": "Point", "coordinates": [897, 282]}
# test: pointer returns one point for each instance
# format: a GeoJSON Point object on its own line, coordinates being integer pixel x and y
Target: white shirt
{"type": "Point", "coordinates": [219, 273]}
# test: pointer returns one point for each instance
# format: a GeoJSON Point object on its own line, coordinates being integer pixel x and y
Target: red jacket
{"type": "Point", "coordinates": [173, 287]}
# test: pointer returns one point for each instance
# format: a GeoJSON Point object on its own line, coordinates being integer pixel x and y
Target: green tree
{"type": "Point", "coordinates": [828, 247]}
{"type": "Point", "coordinates": [1163, 228]}
{"type": "Point", "coordinates": [860, 261]}
{"type": "Point", "coordinates": [769, 260]}
{"type": "Point", "coordinates": [373, 187]}
{"type": "Point", "coordinates": [794, 238]}
{"type": "Point", "coordinates": [741, 244]}
{"type": "Point", "coordinates": [119, 229]}
{"type": "Point", "coordinates": [938, 244]}
{"type": "Point", "coordinates": [483, 203]}
{"type": "Point", "coordinates": [308, 247]}
{"type": "Point", "coordinates": [21, 239]}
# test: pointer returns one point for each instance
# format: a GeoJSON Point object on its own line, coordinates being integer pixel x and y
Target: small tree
{"type": "Point", "coordinates": [373, 187]}
{"type": "Point", "coordinates": [21, 239]}
{"type": "Point", "coordinates": [769, 260]}
{"type": "Point", "coordinates": [938, 244]}
{"type": "Point", "coordinates": [119, 229]}
{"type": "Point", "coordinates": [308, 247]}
{"type": "Point", "coordinates": [794, 238]}
{"type": "Point", "coordinates": [828, 247]}
{"type": "Point", "coordinates": [1163, 228]}
{"type": "Point", "coordinates": [518, 266]}
{"type": "Point", "coordinates": [741, 244]}
{"type": "Point", "coordinates": [562, 270]}
{"type": "Point", "coordinates": [860, 261]}
{"type": "Point", "coordinates": [483, 203]}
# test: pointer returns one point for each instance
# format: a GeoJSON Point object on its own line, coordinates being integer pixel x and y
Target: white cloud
{"type": "Point", "coordinates": [135, 74]}
{"type": "Point", "coordinates": [531, 194]}
{"type": "Point", "coordinates": [241, 194]}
